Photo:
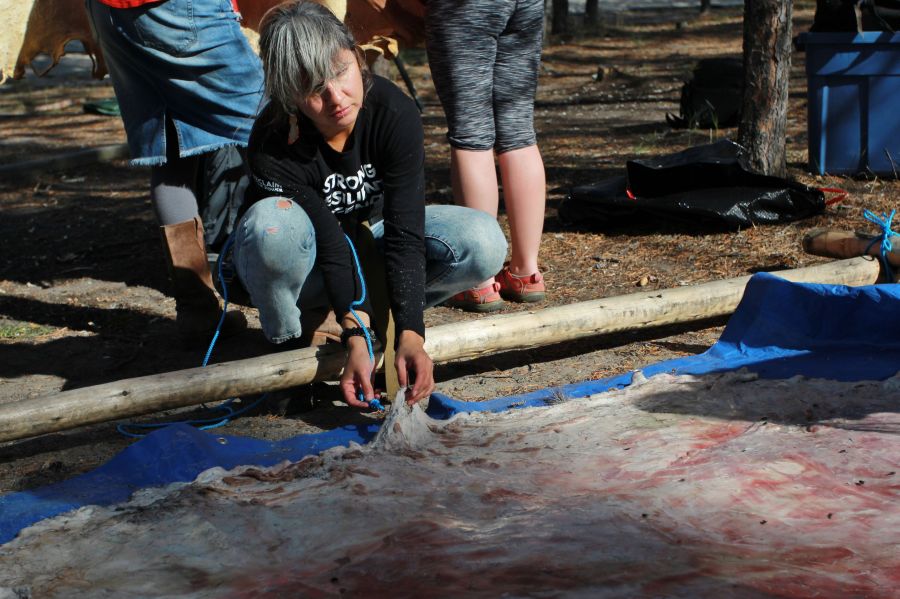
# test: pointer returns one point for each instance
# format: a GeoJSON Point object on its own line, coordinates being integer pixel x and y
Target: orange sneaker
{"type": "Point", "coordinates": [483, 299]}
{"type": "Point", "coordinates": [517, 288]}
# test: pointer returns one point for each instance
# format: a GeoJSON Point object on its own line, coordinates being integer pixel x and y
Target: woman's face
{"type": "Point", "coordinates": [335, 106]}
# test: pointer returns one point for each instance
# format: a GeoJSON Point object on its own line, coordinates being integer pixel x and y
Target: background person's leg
{"type": "Point", "coordinates": [196, 301]}
{"type": "Point", "coordinates": [474, 180]}
{"type": "Point", "coordinates": [464, 83]}
{"type": "Point", "coordinates": [524, 195]}
{"type": "Point", "coordinates": [173, 183]}
{"type": "Point", "coordinates": [153, 80]}
{"type": "Point", "coordinates": [521, 166]}
{"type": "Point", "coordinates": [181, 230]}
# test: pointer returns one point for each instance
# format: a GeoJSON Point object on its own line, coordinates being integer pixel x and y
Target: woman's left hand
{"type": "Point", "coordinates": [415, 369]}
{"type": "Point", "coordinates": [357, 375]}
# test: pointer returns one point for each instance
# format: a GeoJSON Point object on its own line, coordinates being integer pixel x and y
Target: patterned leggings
{"type": "Point", "coordinates": [484, 57]}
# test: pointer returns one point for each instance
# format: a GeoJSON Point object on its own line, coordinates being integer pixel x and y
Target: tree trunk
{"type": "Point", "coordinates": [560, 16]}
{"type": "Point", "coordinates": [591, 10]}
{"type": "Point", "coordinates": [767, 67]}
{"type": "Point", "coordinates": [705, 5]}
{"type": "Point", "coordinates": [548, 19]}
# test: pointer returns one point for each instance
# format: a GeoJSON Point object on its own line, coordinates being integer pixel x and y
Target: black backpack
{"type": "Point", "coordinates": [712, 97]}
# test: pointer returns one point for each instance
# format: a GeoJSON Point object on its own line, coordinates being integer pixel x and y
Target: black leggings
{"type": "Point", "coordinates": [484, 57]}
{"type": "Point", "coordinates": [173, 184]}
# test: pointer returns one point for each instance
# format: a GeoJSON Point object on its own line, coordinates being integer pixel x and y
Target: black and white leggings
{"type": "Point", "coordinates": [484, 57]}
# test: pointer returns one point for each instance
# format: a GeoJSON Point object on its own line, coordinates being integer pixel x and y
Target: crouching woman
{"type": "Point", "coordinates": [336, 148]}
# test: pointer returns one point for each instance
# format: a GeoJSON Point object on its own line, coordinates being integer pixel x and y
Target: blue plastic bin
{"type": "Point", "coordinates": [853, 112]}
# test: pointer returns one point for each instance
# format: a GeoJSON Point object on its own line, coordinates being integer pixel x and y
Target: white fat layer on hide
{"type": "Point", "coordinates": [679, 486]}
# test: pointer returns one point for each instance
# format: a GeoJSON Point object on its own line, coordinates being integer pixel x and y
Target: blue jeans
{"type": "Point", "coordinates": [183, 59]}
{"type": "Point", "coordinates": [463, 247]}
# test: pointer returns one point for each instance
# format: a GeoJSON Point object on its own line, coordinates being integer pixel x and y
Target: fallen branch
{"type": "Point", "coordinates": [147, 394]}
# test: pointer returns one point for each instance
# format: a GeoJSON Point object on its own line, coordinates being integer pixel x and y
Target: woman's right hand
{"type": "Point", "coordinates": [357, 375]}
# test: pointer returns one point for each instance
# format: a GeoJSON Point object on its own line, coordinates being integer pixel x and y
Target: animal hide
{"type": "Point", "coordinates": [34, 27]}
{"type": "Point", "coordinates": [677, 486]}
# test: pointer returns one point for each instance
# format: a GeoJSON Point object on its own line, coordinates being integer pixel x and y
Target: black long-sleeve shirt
{"type": "Point", "coordinates": [379, 174]}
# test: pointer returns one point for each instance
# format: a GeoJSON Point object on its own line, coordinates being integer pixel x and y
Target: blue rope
{"type": "Point", "coordinates": [356, 304]}
{"type": "Point", "coordinates": [222, 253]}
{"type": "Point", "coordinates": [211, 423]}
{"type": "Point", "coordinates": [205, 423]}
{"type": "Point", "coordinates": [884, 223]}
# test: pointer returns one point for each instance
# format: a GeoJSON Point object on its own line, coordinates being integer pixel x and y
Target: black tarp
{"type": "Point", "coordinates": [709, 187]}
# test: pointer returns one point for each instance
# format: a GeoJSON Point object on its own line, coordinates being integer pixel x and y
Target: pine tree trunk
{"type": "Point", "coordinates": [767, 66]}
{"type": "Point", "coordinates": [560, 16]}
{"type": "Point", "coordinates": [548, 19]}
{"type": "Point", "coordinates": [591, 11]}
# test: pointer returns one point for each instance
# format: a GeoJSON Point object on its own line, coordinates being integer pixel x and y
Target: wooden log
{"type": "Point", "coordinates": [622, 313]}
{"type": "Point", "coordinates": [147, 394]}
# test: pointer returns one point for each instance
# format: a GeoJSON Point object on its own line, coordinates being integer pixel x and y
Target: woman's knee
{"type": "Point", "coordinates": [278, 233]}
{"type": "Point", "coordinates": [488, 242]}
{"type": "Point", "coordinates": [475, 236]}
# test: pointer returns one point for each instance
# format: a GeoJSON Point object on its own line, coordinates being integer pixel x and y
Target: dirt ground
{"type": "Point", "coordinates": [82, 282]}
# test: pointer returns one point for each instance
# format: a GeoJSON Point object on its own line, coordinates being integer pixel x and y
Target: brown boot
{"type": "Point", "coordinates": [832, 243]}
{"type": "Point", "coordinates": [196, 302]}
{"type": "Point", "coordinates": [318, 327]}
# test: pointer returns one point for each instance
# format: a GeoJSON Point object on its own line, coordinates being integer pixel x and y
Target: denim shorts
{"type": "Point", "coordinates": [183, 59]}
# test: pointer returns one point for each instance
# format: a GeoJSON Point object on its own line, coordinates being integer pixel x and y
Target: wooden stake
{"type": "Point", "coordinates": [143, 395]}
{"type": "Point", "coordinates": [391, 378]}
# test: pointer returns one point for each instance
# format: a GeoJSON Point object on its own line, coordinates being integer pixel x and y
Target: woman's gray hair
{"type": "Point", "coordinates": [299, 43]}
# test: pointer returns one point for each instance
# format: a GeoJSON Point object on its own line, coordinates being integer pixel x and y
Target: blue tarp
{"type": "Point", "coordinates": [779, 330]}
